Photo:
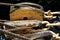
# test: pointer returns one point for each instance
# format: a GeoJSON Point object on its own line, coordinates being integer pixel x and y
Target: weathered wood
{"type": "Point", "coordinates": [13, 34]}
{"type": "Point", "coordinates": [6, 25]}
{"type": "Point", "coordinates": [19, 28]}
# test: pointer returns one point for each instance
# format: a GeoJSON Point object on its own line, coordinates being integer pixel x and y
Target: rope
{"type": "Point", "coordinates": [21, 4]}
{"type": "Point", "coordinates": [9, 4]}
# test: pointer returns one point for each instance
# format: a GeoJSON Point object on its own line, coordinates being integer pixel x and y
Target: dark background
{"type": "Point", "coordinates": [53, 5]}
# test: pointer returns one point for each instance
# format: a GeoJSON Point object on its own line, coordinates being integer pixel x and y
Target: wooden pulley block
{"type": "Point", "coordinates": [27, 13]}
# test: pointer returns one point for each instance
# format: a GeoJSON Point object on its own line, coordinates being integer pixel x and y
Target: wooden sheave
{"type": "Point", "coordinates": [26, 14]}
